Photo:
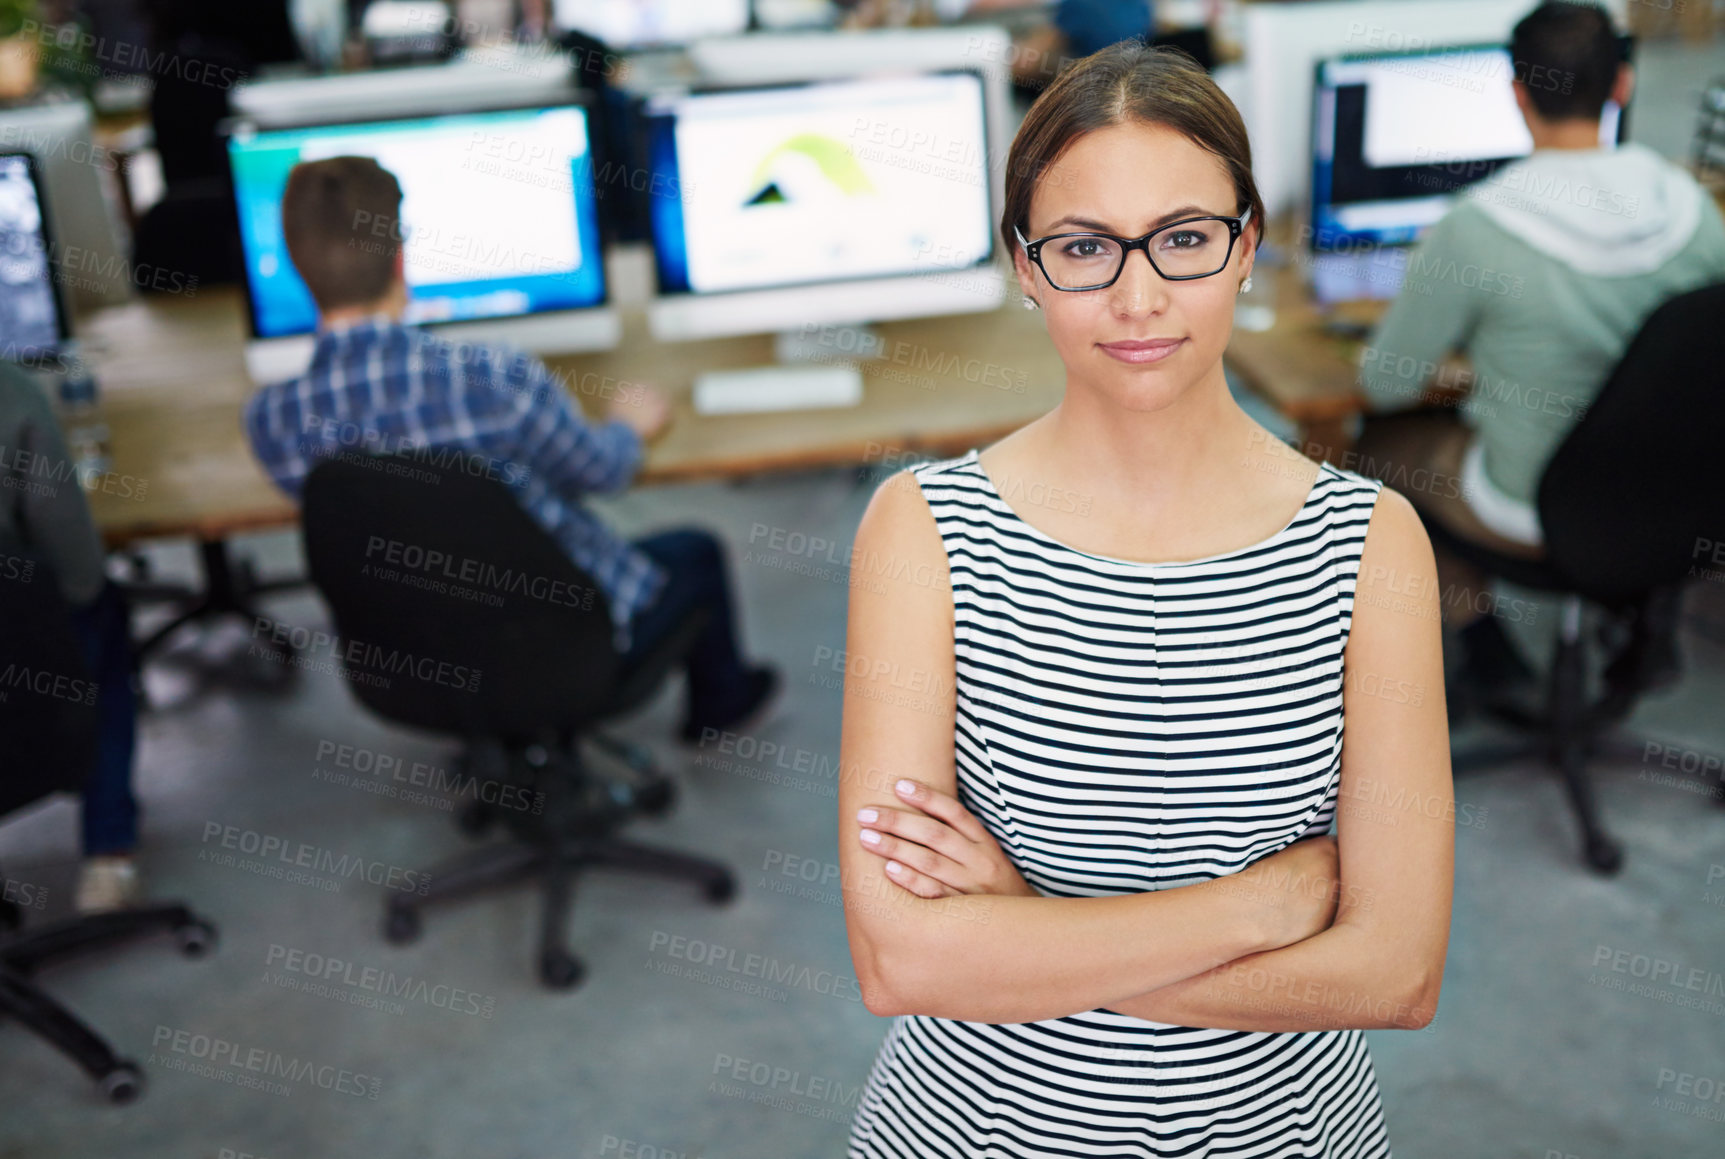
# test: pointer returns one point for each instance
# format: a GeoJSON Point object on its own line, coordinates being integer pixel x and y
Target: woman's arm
{"type": "Point", "coordinates": [1381, 964]}
{"type": "Point", "coordinates": [991, 959]}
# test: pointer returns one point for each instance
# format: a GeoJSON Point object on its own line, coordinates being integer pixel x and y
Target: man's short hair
{"type": "Point", "coordinates": [341, 219]}
{"type": "Point", "coordinates": [1566, 55]}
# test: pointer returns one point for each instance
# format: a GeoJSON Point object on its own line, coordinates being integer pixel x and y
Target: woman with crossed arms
{"type": "Point", "coordinates": [1091, 876]}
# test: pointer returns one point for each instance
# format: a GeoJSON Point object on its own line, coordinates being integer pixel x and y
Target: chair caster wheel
{"type": "Point", "coordinates": [560, 971]}
{"type": "Point", "coordinates": [721, 889]}
{"type": "Point", "coordinates": [401, 926]}
{"type": "Point", "coordinates": [474, 820]}
{"type": "Point", "coordinates": [196, 938]}
{"type": "Point", "coordinates": [123, 1084]}
{"type": "Point", "coordinates": [1604, 856]}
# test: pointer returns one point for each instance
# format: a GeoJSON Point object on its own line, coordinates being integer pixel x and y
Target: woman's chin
{"type": "Point", "coordinates": [1141, 393]}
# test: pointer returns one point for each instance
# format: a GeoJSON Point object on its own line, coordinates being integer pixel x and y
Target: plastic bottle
{"type": "Point", "coordinates": [82, 423]}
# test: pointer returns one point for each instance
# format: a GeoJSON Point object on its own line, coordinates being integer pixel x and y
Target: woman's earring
{"type": "Point", "coordinates": [1247, 284]}
{"type": "Point", "coordinates": [1030, 303]}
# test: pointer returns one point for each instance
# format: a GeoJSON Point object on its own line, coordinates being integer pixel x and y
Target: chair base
{"type": "Point", "coordinates": [575, 832]}
{"type": "Point", "coordinates": [23, 953]}
{"type": "Point", "coordinates": [1569, 732]}
{"type": "Point", "coordinates": [230, 589]}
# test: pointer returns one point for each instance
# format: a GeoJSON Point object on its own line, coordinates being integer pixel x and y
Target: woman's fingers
{"type": "Point", "coordinates": [917, 882]}
{"type": "Point", "coordinates": [941, 805]}
{"type": "Point", "coordinates": [919, 857]}
{"type": "Point", "coordinates": [925, 831]}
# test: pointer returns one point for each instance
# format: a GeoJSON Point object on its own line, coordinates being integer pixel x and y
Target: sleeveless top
{"type": "Point", "coordinates": [1124, 727]}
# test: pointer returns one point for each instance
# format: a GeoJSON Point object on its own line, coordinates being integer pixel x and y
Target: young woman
{"type": "Point", "coordinates": [1090, 772]}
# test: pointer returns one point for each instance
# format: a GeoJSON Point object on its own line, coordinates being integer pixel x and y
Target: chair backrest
{"type": "Point", "coordinates": [47, 699]}
{"type": "Point", "coordinates": [456, 611]}
{"type": "Point", "coordinates": [1636, 486]}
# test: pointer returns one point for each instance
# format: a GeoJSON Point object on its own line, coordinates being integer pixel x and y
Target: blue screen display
{"type": "Point", "coordinates": [30, 322]}
{"type": "Point", "coordinates": [498, 215]}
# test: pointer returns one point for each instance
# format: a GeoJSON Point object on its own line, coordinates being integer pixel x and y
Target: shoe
{"type": "Point", "coordinates": [761, 701]}
{"type": "Point", "coordinates": [108, 882]}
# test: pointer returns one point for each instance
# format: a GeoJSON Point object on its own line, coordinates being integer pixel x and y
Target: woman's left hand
{"type": "Point", "coordinates": [937, 848]}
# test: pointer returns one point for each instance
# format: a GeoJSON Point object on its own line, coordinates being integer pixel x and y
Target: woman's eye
{"type": "Point", "coordinates": [1185, 239]}
{"type": "Point", "coordinates": [1084, 248]}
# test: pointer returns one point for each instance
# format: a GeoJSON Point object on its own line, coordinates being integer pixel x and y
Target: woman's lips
{"type": "Point", "coordinates": [1147, 350]}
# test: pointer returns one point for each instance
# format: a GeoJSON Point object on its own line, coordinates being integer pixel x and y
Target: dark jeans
{"type": "Point", "coordinates": [699, 577]}
{"type": "Point", "coordinates": [110, 811]}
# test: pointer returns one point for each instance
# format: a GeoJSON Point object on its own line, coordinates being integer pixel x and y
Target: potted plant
{"type": "Point", "coordinates": [20, 52]}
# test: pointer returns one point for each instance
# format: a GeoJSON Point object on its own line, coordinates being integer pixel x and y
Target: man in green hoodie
{"type": "Point", "coordinates": [1541, 272]}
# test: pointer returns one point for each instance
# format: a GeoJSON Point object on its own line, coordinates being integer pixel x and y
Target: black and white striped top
{"type": "Point", "coordinates": [1124, 727]}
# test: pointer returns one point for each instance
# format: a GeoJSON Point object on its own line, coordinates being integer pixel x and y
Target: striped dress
{"type": "Point", "coordinates": [1123, 727]}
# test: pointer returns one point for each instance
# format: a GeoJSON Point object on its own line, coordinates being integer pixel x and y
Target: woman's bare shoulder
{"type": "Point", "coordinates": [898, 531]}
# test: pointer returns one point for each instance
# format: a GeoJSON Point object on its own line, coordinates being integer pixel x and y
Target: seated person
{"type": "Point", "coordinates": [1542, 272]}
{"type": "Point", "coordinates": [42, 506]}
{"type": "Point", "coordinates": [403, 386]}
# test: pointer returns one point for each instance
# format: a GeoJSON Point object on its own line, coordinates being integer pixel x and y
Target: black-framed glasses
{"type": "Point", "coordinates": [1196, 247]}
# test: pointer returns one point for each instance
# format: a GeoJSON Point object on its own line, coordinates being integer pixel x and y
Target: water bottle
{"type": "Point", "coordinates": [81, 422]}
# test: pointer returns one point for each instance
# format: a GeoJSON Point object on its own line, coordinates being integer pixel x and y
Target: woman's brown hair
{"type": "Point", "coordinates": [1127, 82]}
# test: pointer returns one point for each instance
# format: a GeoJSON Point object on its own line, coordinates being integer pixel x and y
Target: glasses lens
{"type": "Point", "coordinates": [1195, 248]}
{"type": "Point", "coordinates": [1082, 260]}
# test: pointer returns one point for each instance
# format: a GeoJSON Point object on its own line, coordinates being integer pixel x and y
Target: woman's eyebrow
{"type": "Point", "coordinates": [1099, 227]}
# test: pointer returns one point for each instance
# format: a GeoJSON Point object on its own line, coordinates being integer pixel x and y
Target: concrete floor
{"type": "Point", "coordinates": [1534, 1051]}
{"type": "Point", "coordinates": [1549, 1040]}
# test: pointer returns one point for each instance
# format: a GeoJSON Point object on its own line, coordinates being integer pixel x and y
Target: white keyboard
{"type": "Point", "coordinates": [770, 388]}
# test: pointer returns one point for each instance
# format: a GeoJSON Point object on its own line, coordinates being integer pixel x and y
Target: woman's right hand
{"type": "Point", "coordinates": [1293, 892]}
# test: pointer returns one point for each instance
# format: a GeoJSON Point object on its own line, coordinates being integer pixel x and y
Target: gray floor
{"type": "Point", "coordinates": [1539, 1046]}
{"type": "Point", "coordinates": [1551, 1038]}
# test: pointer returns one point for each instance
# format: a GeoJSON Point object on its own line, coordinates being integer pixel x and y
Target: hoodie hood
{"type": "Point", "coordinates": [1607, 212]}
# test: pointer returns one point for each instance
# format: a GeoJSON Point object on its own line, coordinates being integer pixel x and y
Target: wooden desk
{"type": "Point", "coordinates": [173, 379]}
{"type": "Point", "coordinates": [1307, 373]}
{"type": "Point", "coordinates": [173, 382]}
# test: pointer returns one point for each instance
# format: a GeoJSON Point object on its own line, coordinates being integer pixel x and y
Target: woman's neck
{"type": "Point", "coordinates": [1160, 457]}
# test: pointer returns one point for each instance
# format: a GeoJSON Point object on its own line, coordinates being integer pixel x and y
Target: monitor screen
{"type": "Point", "coordinates": [651, 23]}
{"type": "Point", "coordinates": [1395, 135]}
{"type": "Point", "coordinates": [822, 182]}
{"type": "Point", "coordinates": [31, 324]}
{"type": "Point", "coordinates": [497, 212]}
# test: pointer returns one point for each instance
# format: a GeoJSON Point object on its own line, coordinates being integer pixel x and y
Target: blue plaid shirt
{"type": "Point", "coordinates": [381, 386]}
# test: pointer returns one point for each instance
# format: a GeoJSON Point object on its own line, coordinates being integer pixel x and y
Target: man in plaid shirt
{"type": "Point", "coordinates": [375, 384]}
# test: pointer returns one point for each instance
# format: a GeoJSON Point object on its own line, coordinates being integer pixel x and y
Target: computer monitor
{"type": "Point", "coordinates": [80, 179]}
{"type": "Point", "coordinates": [485, 77]}
{"type": "Point", "coordinates": [498, 213]}
{"type": "Point", "coordinates": [795, 188]}
{"type": "Point", "coordinates": [787, 15]}
{"type": "Point", "coordinates": [1280, 44]}
{"type": "Point", "coordinates": [822, 203]}
{"type": "Point", "coordinates": [624, 24]}
{"type": "Point", "coordinates": [1396, 135]}
{"type": "Point", "coordinates": [33, 326]}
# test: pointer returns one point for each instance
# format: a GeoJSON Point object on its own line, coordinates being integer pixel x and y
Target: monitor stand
{"type": "Point", "coordinates": [817, 368]}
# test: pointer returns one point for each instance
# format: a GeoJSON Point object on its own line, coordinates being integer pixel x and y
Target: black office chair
{"type": "Point", "coordinates": [1622, 504]}
{"type": "Point", "coordinates": [512, 650]}
{"type": "Point", "coordinates": [48, 734]}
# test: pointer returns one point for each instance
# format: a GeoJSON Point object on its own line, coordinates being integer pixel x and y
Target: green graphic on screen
{"type": "Point", "coordinates": [784, 175]}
